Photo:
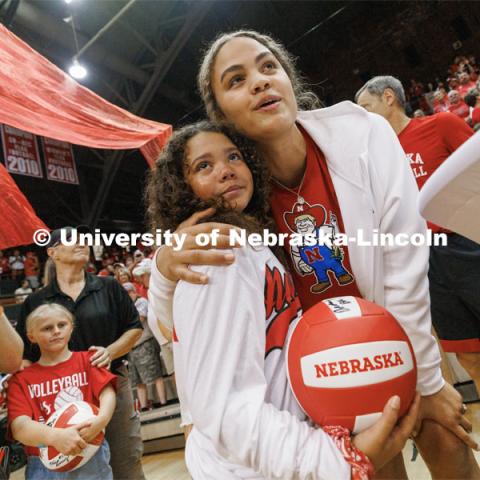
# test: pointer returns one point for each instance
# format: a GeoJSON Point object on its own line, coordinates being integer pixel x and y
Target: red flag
{"type": "Point", "coordinates": [19, 221]}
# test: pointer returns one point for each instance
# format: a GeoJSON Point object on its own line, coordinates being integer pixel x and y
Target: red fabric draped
{"type": "Point", "coordinates": [17, 218]}
{"type": "Point", "coordinates": [38, 97]}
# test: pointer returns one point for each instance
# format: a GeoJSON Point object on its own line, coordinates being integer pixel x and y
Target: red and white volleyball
{"type": "Point", "coordinates": [346, 357]}
{"type": "Point", "coordinates": [69, 415]}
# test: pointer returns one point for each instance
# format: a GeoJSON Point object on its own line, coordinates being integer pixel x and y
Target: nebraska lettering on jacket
{"type": "Point", "coordinates": [281, 307]}
{"type": "Point", "coordinates": [51, 387]}
{"type": "Point", "coordinates": [355, 365]}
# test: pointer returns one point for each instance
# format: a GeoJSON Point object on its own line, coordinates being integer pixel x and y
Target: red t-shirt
{"type": "Point", "coordinates": [475, 116]}
{"type": "Point", "coordinates": [460, 109]}
{"type": "Point", "coordinates": [319, 271]}
{"type": "Point", "coordinates": [31, 266]}
{"type": "Point", "coordinates": [4, 265]}
{"type": "Point", "coordinates": [463, 89]}
{"type": "Point", "coordinates": [141, 289]}
{"type": "Point", "coordinates": [37, 391]}
{"type": "Point", "coordinates": [429, 141]}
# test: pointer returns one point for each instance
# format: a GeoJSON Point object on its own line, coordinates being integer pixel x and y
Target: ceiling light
{"type": "Point", "coordinates": [77, 71]}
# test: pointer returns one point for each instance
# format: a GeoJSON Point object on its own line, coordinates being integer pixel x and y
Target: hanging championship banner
{"type": "Point", "coordinates": [21, 152]}
{"type": "Point", "coordinates": [59, 161]}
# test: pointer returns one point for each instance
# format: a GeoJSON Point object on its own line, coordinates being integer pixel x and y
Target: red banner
{"type": "Point", "coordinates": [19, 221]}
{"type": "Point", "coordinates": [21, 152]}
{"type": "Point", "coordinates": [59, 161]}
{"type": "Point", "coordinates": [37, 96]}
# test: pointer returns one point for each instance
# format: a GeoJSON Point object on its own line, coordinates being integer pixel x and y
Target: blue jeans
{"type": "Point", "coordinates": [97, 468]}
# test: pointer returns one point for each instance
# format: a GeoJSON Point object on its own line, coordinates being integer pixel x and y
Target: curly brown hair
{"type": "Point", "coordinates": [306, 99]}
{"type": "Point", "coordinates": [170, 199]}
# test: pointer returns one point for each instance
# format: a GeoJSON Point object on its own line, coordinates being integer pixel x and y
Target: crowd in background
{"type": "Point", "coordinates": [25, 267]}
{"type": "Point", "coordinates": [459, 93]}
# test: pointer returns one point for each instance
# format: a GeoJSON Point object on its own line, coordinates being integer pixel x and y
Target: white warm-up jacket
{"type": "Point", "coordinates": [376, 191]}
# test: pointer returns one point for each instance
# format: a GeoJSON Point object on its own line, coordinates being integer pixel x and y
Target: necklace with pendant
{"type": "Point", "coordinates": [300, 199]}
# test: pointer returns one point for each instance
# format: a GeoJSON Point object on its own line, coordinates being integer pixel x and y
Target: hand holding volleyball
{"type": "Point", "coordinates": [387, 436]}
{"type": "Point", "coordinates": [346, 358]}
{"type": "Point", "coordinates": [68, 450]}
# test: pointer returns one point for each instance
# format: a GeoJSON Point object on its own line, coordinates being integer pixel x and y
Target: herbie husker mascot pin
{"type": "Point", "coordinates": [321, 257]}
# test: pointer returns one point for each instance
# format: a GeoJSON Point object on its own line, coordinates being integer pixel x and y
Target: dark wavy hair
{"type": "Point", "coordinates": [170, 199]}
{"type": "Point", "coordinates": [306, 99]}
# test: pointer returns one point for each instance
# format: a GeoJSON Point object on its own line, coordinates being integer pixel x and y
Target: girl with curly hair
{"type": "Point", "coordinates": [229, 335]}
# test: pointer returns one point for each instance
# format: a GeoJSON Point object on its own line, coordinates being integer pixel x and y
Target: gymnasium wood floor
{"type": "Point", "coordinates": [165, 466]}
{"type": "Point", "coordinates": [171, 466]}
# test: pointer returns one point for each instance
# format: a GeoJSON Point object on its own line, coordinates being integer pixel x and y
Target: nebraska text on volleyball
{"type": "Point", "coordinates": [355, 365]}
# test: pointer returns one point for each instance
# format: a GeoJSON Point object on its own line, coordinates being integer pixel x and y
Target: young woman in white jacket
{"type": "Point", "coordinates": [248, 80]}
{"type": "Point", "coordinates": [229, 335]}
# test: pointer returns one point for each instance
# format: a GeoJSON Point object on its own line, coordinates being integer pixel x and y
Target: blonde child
{"type": "Point", "coordinates": [38, 390]}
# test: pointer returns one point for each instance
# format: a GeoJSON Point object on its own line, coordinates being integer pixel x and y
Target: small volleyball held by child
{"type": "Point", "coordinates": [59, 376]}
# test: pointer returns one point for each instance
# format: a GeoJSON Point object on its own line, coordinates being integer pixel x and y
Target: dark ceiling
{"type": "Point", "coordinates": [146, 62]}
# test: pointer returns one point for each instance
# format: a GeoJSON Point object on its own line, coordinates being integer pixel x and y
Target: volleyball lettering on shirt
{"type": "Point", "coordinates": [428, 142]}
{"type": "Point", "coordinates": [55, 386]}
{"type": "Point", "coordinates": [417, 164]}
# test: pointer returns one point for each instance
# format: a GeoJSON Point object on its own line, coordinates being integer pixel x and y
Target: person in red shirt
{"type": "Point", "coordinates": [32, 267]}
{"type": "Point", "coordinates": [440, 101]}
{"type": "Point", "coordinates": [37, 391]}
{"type": "Point", "coordinates": [453, 275]}
{"type": "Point", "coordinates": [141, 276]}
{"type": "Point", "coordinates": [465, 84]}
{"type": "Point", "coordinates": [4, 265]}
{"type": "Point", "coordinates": [472, 99]}
{"type": "Point", "coordinates": [452, 82]}
{"type": "Point", "coordinates": [457, 105]}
